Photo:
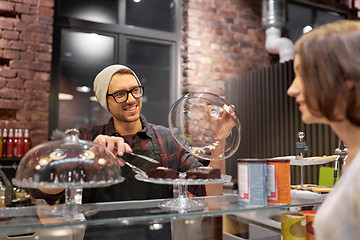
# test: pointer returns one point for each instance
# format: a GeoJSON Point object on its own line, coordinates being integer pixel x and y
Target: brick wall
{"type": "Point", "coordinates": [221, 40]}
{"type": "Point", "coordinates": [224, 38]}
{"type": "Point", "coordinates": [26, 28]}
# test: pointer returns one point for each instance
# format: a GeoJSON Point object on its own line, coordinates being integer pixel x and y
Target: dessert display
{"type": "Point", "coordinates": [305, 187]}
{"type": "Point", "coordinates": [309, 191]}
{"type": "Point", "coordinates": [72, 164]}
{"type": "Point", "coordinates": [203, 173]}
{"type": "Point", "coordinates": [321, 189]}
{"type": "Point", "coordinates": [191, 120]}
{"type": "Point", "coordinates": [68, 163]}
{"type": "Point", "coordinates": [312, 188]}
{"type": "Point", "coordinates": [332, 157]}
{"type": "Point", "coordinates": [298, 161]}
{"type": "Point", "coordinates": [162, 172]}
{"type": "Point", "coordinates": [198, 176]}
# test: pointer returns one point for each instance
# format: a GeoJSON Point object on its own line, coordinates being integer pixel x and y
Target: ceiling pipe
{"type": "Point", "coordinates": [273, 19]}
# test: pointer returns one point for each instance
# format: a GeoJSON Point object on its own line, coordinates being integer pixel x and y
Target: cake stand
{"type": "Point", "coordinates": [71, 164]}
{"type": "Point", "coordinates": [183, 203]}
{"type": "Point", "coordinates": [193, 119]}
{"type": "Point", "coordinates": [294, 161]}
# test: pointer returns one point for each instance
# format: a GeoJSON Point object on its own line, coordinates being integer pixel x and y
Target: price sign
{"type": "Point", "coordinates": [302, 147]}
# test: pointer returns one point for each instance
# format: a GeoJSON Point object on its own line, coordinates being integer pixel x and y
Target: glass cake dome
{"type": "Point", "coordinates": [72, 164]}
{"type": "Point", "coordinates": [195, 117]}
{"type": "Point", "coordinates": [68, 163]}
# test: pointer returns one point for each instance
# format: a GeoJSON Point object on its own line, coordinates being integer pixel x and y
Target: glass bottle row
{"type": "Point", "coordinates": [14, 143]}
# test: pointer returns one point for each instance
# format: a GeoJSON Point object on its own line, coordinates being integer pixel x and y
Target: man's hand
{"type": "Point", "coordinates": [116, 145]}
{"type": "Point", "coordinates": [222, 124]}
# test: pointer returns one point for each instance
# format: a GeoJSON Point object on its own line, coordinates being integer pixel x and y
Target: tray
{"type": "Point", "coordinates": [309, 160]}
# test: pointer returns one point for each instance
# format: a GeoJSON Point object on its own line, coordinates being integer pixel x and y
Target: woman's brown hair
{"type": "Point", "coordinates": [330, 57]}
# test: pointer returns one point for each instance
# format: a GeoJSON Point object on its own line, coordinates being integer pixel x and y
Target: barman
{"type": "Point", "coordinates": [119, 91]}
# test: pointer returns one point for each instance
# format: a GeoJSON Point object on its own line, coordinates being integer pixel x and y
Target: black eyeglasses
{"type": "Point", "coordinates": [122, 96]}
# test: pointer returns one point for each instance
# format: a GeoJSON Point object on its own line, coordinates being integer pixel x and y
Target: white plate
{"type": "Point", "coordinates": [301, 194]}
{"type": "Point", "coordinates": [307, 161]}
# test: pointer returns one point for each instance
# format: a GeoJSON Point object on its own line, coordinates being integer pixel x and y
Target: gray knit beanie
{"type": "Point", "coordinates": [102, 81]}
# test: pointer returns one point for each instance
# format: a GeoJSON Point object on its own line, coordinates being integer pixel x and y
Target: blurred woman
{"type": "Point", "coordinates": [327, 89]}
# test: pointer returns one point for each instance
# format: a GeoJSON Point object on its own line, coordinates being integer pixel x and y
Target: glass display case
{"type": "Point", "coordinates": [223, 218]}
{"type": "Point", "coordinates": [73, 164]}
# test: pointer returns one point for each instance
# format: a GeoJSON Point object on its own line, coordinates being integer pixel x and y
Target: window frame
{"type": "Point", "coordinates": [122, 33]}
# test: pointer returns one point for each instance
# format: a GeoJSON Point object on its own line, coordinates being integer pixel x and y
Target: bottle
{"type": "Point", "coordinates": [10, 144]}
{"type": "Point", "coordinates": [15, 141]}
{"type": "Point", "coordinates": [27, 142]}
{"type": "Point", "coordinates": [4, 138]}
{"type": "Point", "coordinates": [20, 144]}
{"type": "Point", "coordinates": [1, 144]}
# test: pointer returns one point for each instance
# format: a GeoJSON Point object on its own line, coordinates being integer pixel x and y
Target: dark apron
{"type": "Point", "coordinates": [131, 188]}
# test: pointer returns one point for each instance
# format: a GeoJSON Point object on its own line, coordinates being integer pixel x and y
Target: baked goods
{"type": "Point", "coordinates": [312, 188]}
{"type": "Point", "coordinates": [162, 172]}
{"type": "Point", "coordinates": [203, 173]}
{"type": "Point", "coordinates": [325, 157]}
{"type": "Point", "coordinates": [305, 187]}
{"type": "Point", "coordinates": [321, 189]}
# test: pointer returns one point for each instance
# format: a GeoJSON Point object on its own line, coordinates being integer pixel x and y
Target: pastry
{"type": "Point", "coordinates": [162, 172]}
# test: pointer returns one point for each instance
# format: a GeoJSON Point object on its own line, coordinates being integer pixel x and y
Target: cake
{"type": "Point", "coordinates": [162, 172]}
{"type": "Point", "coordinates": [203, 173]}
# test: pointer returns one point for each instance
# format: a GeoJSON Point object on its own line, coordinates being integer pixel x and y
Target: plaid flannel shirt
{"type": "Point", "coordinates": [172, 154]}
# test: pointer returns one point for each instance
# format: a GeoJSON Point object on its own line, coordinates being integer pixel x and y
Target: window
{"type": "Point", "coordinates": [164, 11]}
{"type": "Point", "coordinates": [152, 61]}
{"type": "Point", "coordinates": [83, 55]}
{"type": "Point", "coordinates": [104, 11]}
{"type": "Point", "coordinates": [92, 34]}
